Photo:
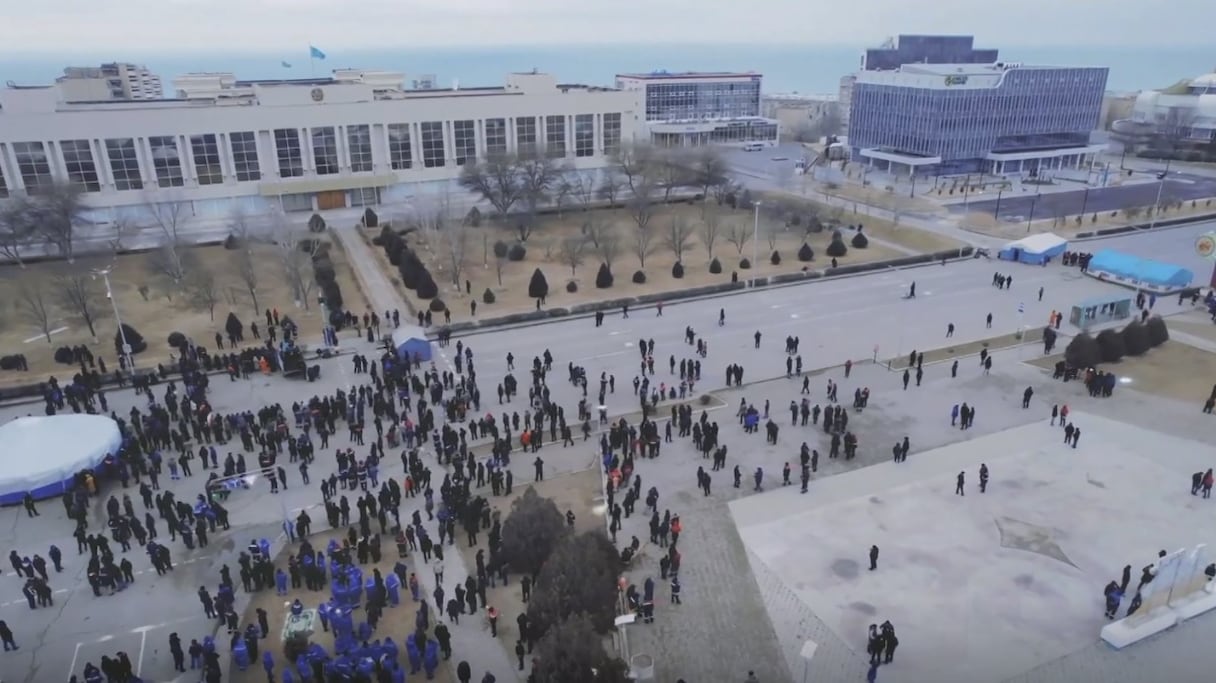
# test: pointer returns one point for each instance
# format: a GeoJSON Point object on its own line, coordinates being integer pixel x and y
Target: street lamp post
{"type": "Point", "coordinates": [1160, 186]}
{"type": "Point", "coordinates": [1030, 219]}
{"type": "Point", "coordinates": [755, 238]}
{"type": "Point", "coordinates": [996, 211]}
{"type": "Point", "coordinates": [104, 274]}
{"type": "Point", "coordinates": [1084, 202]}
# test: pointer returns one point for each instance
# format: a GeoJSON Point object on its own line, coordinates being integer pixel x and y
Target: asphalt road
{"type": "Point", "coordinates": [1184, 187]}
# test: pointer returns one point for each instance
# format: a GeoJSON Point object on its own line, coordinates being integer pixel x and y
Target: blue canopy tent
{"type": "Point", "coordinates": [1034, 249]}
{"type": "Point", "coordinates": [1141, 273]}
{"type": "Point", "coordinates": [411, 341]}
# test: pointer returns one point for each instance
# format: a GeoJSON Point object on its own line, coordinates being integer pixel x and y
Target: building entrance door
{"type": "Point", "coordinates": [334, 199]}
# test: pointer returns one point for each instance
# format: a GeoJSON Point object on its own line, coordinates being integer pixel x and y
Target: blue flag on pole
{"type": "Point", "coordinates": [314, 53]}
{"type": "Point", "coordinates": [285, 65]}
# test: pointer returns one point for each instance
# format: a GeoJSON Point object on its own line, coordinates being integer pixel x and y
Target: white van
{"type": "Point", "coordinates": [753, 146]}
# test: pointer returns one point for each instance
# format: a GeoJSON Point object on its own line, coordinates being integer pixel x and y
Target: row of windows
{"type": "Point", "coordinates": [33, 162]}
{"type": "Point", "coordinates": [685, 101]}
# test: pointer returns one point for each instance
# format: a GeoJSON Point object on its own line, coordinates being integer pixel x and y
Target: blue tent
{"type": "Point", "coordinates": [1034, 249]}
{"type": "Point", "coordinates": [411, 341]}
{"type": "Point", "coordinates": [1136, 271]}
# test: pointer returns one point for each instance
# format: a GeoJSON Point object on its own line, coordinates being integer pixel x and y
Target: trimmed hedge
{"type": "Point", "coordinates": [775, 258]}
{"type": "Point", "coordinates": [427, 289]}
{"type": "Point", "coordinates": [134, 338]}
{"type": "Point", "coordinates": [860, 241]}
{"type": "Point", "coordinates": [487, 297]}
{"type": "Point", "coordinates": [715, 266]}
{"type": "Point", "coordinates": [517, 252]}
{"type": "Point", "coordinates": [1135, 339]}
{"type": "Point", "coordinates": [837, 246]}
{"type": "Point", "coordinates": [744, 264]}
{"type": "Point", "coordinates": [1083, 351]}
{"type": "Point", "coordinates": [603, 277]}
{"type": "Point", "coordinates": [572, 286]}
{"type": "Point", "coordinates": [538, 286]}
{"type": "Point", "coordinates": [806, 253]}
{"type": "Point", "coordinates": [437, 305]}
{"type": "Point", "coordinates": [1110, 343]}
{"type": "Point", "coordinates": [639, 277]}
{"type": "Point", "coordinates": [177, 340]}
{"type": "Point", "coordinates": [1158, 333]}
{"type": "Point", "coordinates": [677, 270]}
{"type": "Point", "coordinates": [501, 249]}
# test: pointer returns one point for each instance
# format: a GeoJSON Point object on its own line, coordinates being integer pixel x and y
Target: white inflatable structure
{"type": "Point", "coordinates": [41, 455]}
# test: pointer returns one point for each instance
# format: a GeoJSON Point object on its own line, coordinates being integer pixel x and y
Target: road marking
{"type": "Point", "coordinates": [75, 654]}
{"type": "Point", "coordinates": [793, 315]}
{"type": "Point", "coordinates": [139, 663]}
{"type": "Point", "coordinates": [602, 355]}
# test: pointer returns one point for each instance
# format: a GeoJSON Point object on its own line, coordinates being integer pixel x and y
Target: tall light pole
{"type": "Point", "coordinates": [104, 274]}
{"type": "Point", "coordinates": [755, 237]}
{"type": "Point", "coordinates": [1160, 186]}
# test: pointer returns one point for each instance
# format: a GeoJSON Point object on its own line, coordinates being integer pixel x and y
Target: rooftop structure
{"type": "Point", "coordinates": [111, 81]}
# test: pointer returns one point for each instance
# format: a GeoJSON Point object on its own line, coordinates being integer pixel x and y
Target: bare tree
{"type": "Point", "coordinates": [170, 215]}
{"type": "Point", "coordinates": [678, 238]}
{"type": "Point", "coordinates": [722, 191]}
{"type": "Point", "coordinates": [77, 292]}
{"type": "Point", "coordinates": [582, 187]}
{"type": "Point", "coordinates": [572, 251]}
{"type": "Point", "coordinates": [610, 188]}
{"type": "Point", "coordinates": [772, 232]}
{"type": "Point", "coordinates": [294, 251]}
{"type": "Point", "coordinates": [739, 235]}
{"type": "Point", "coordinates": [247, 270]}
{"type": "Point", "coordinates": [456, 244]}
{"type": "Point", "coordinates": [594, 227]}
{"type": "Point", "coordinates": [32, 305]}
{"type": "Point", "coordinates": [563, 190]}
{"type": "Point", "coordinates": [500, 263]}
{"type": "Point", "coordinates": [16, 231]}
{"type": "Point", "coordinates": [203, 290]}
{"type": "Point", "coordinates": [711, 228]}
{"type": "Point", "coordinates": [640, 204]}
{"type": "Point", "coordinates": [52, 213]}
{"type": "Point", "coordinates": [709, 170]}
{"type": "Point", "coordinates": [608, 248]}
{"type": "Point", "coordinates": [635, 164]}
{"type": "Point", "coordinates": [538, 177]}
{"type": "Point", "coordinates": [672, 171]}
{"type": "Point", "coordinates": [643, 243]}
{"type": "Point", "coordinates": [495, 179]}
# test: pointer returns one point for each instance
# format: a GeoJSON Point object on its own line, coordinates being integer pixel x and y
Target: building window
{"type": "Point", "coordinates": [359, 144]}
{"type": "Point", "coordinates": [465, 135]}
{"type": "Point", "coordinates": [612, 133]}
{"type": "Point", "coordinates": [293, 203]}
{"type": "Point", "coordinates": [78, 158]}
{"type": "Point", "coordinates": [584, 135]}
{"type": "Point", "coordinates": [325, 150]}
{"type": "Point", "coordinates": [525, 135]}
{"type": "Point", "coordinates": [206, 152]}
{"type": "Point", "coordinates": [496, 136]}
{"type": "Point", "coordinates": [124, 164]}
{"type": "Point", "coordinates": [245, 155]}
{"type": "Point", "coordinates": [400, 155]}
{"type": "Point", "coordinates": [3, 185]}
{"type": "Point", "coordinates": [287, 148]}
{"type": "Point", "coordinates": [555, 136]}
{"type": "Point", "coordinates": [432, 144]}
{"type": "Point", "coordinates": [33, 164]}
{"type": "Point", "coordinates": [365, 196]}
{"type": "Point", "coordinates": [167, 160]}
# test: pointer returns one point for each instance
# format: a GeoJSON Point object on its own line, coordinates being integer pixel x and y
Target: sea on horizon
{"type": "Point", "coordinates": [814, 69]}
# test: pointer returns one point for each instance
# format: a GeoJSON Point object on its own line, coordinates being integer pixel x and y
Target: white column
{"type": "Point", "coordinates": [227, 167]}
{"type": "Point", "coordinates": [310, 162]}
{"type": "Point", "coordinates": [189, 170]}
{"type": "Point", "coordinates": [100, 160]}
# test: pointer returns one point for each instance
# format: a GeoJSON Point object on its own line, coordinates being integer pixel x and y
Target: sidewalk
{"type": "Point", "coordinates": [380, 293]}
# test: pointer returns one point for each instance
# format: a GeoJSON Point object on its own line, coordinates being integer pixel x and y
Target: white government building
{"type": "Point", "coordinates": [355, 139]}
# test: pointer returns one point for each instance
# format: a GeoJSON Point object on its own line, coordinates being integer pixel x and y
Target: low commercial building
{"type": "Point", "coordinates": [1002, 118]}
{"type": "Point", "coordinates": [111, 81]}
{"type": "Point", "coordinates": [700, 108]}
{"type": "Point", "coordinates": [804, 118]}
{"type": "Point", "coordinates": [355, 139]}
{"type": "Point", "coordinates": [1178, 121]}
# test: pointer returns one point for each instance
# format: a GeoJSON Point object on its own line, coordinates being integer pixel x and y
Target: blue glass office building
{"type": "Point", "coordinates": [1003, 119]}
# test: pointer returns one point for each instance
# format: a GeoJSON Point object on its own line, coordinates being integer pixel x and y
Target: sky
{"type": "Point", "coordinates": [133, 27]}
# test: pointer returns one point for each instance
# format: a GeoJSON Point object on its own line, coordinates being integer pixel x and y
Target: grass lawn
{"type": "Point", "coordinates": [1173, 370]}
{"type": "Point", "coordinates": [545, 246]}
{"type": "Point", "coordinates": [156, 311]}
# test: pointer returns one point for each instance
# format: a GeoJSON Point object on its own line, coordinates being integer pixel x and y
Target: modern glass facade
{"type": "Point", "coordinates": [695, 99]}
{"type": "Point", "coordinates": [1029, 109]}
{"type": "Point", "coordinates": [920, 49]}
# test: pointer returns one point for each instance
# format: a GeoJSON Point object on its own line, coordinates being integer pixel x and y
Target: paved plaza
{"type": "Point", "coordinates": [1012, 577]}
{"type": "Point", "coordinates": [748, 604]}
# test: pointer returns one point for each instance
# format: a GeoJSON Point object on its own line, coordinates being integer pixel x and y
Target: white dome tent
{"type": "Point", "coordinates": [41, 455]}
